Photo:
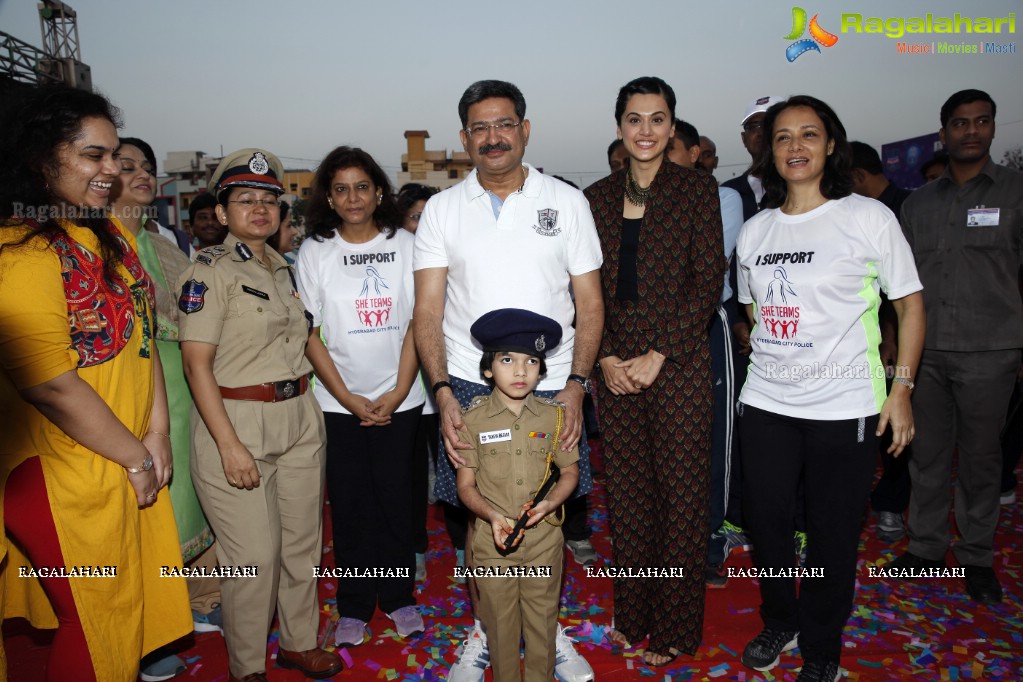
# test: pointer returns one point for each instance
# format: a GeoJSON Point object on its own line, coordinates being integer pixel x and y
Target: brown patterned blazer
{"type": "Point", "coordinates": [680, 262]}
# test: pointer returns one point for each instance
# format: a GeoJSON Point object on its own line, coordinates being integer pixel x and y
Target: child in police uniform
{"type": "Point", "coordinates": [515, 435]}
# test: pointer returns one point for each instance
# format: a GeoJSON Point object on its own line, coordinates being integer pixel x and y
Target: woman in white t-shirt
{"type": "Point", "coordinates": [355, 277]}
{"type": "Point", "coordinates": [815, 400]}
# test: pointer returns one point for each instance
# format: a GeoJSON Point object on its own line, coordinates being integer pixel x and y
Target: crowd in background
{"type": "Point", "coordinates": [183, 399]}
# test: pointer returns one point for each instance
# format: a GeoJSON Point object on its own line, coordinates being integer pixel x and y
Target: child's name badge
{"type": "Point", "coordinates": [495, 436]}
{"type": "Point", "coordinates": [982, 217]}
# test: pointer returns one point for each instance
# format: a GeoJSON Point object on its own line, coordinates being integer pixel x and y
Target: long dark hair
{"type": "Point", "coordinates": [837, 180]}
{"type": "Point", "coordinates": [322, 220]}
{"type": "Point", "coordinates": [36, 123]}
{"type": "Point", "coordinates": [644, 85]}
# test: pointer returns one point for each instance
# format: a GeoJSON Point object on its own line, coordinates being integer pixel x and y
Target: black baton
{"type": "Point", "coordinates": [540, 494]}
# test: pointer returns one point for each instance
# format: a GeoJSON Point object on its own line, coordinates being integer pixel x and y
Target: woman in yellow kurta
{"type": "Point", "coordinates": [85, 415]}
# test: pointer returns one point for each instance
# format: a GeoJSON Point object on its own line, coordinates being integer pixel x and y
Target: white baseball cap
{"type": "Point", "coordinates": [760, 104]}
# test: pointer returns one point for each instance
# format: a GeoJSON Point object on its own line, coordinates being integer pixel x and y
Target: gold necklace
{"type": "Point", "coordinates": [635, 194]}
{"type": "Point", "coordinates": [525, 174]}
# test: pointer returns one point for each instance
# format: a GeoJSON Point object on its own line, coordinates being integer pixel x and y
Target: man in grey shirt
{"type": "Point", "coordinates": [966, 230]}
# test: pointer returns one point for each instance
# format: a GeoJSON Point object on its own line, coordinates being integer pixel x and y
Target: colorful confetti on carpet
{"type": "Point", "coordinates": [898, 631]}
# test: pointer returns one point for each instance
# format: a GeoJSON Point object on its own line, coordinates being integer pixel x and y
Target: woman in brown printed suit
{"type": "Point", "coordinates": [660, 230]}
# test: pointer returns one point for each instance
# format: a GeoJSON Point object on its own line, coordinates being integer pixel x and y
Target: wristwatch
{"type": "Point", "coordinates": [581, 380]}
{"type": "Point", "coordinates": [147, 464]}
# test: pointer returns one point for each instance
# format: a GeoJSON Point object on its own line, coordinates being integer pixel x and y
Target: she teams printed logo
{"type": "Point", "coordinates": [373, 305]}
{"type": "Point", "coordinates": [780, 314]}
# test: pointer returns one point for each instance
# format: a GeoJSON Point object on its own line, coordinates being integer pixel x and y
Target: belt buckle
{"type": "Point", "coordinates": [283, 390]}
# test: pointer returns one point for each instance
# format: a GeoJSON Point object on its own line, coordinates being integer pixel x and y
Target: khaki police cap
{"type": "Point", "coordinates": [256, 168]}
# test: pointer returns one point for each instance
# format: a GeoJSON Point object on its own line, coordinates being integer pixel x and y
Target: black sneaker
{"type": "Point", "coordinates": [909, 565]}
{"type": "Point", "coordinates": [982, 584]}
{"type": "Point", "coordinates": [819, 671]}
{"type": "Point", "coordinates": [765, 649]}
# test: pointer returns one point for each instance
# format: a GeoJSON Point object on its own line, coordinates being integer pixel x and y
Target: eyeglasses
{"type": "Point", "coordinates": [251, 203]}
{"type": "Point", "coordinates": [501, 128]}
{"type": "Point", "coordinates": [753, 125]}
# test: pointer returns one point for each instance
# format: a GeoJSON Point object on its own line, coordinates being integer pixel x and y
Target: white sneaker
{"type": "Point", "coordinates": [569, 666]}
{"type": "Point", "coordinates": [473, 658]}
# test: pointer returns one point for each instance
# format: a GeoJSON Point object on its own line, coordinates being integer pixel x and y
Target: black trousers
{"type": "Point", "coordinates": [425, 450]}
{"type": "Point", "coordinates": [369, 480]}
{"type": "Point", "coordinates": [836, 461]}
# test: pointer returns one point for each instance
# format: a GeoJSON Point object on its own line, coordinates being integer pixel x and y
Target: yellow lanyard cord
{"type": "Point", "coordinates": [550, 464]}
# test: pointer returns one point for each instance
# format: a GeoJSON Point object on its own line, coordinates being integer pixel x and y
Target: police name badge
{"type": "Point", "coordinates": [982, 217]}
{"type": "Point", "coordinates": [495, 436]}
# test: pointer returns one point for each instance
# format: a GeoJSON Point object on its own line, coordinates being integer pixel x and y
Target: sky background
{"type": "Point", "coordinates": [301, 77]}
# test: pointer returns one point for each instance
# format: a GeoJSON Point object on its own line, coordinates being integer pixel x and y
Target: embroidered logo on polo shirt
{"type": "Point", "coordinates": [548, 223]}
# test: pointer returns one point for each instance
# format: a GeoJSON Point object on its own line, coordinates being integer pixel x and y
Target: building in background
{"type": "Point", "coordinates": [431, 168]}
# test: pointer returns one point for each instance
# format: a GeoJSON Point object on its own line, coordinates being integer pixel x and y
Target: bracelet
{"type": "Point", "coordinates": [905, 382]}
{"type": "Point", "coordinates": [147, 464]}
{"type": "Point", "coordinates": [441, 384]}
{"type": "Point", "coordinates": [158, 433]}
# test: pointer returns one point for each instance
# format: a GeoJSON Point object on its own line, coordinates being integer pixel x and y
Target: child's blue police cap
{"type": "Point", "coordinates": [516, 330]}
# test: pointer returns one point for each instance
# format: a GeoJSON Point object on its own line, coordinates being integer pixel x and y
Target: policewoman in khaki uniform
{"type": "Point", "coordinates": [257, 432]}
{"type": "Point", "coordinates": [516, 435]}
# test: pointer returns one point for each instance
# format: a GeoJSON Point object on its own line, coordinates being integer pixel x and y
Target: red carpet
{"type": "Point", "coordinates": [897, 632]}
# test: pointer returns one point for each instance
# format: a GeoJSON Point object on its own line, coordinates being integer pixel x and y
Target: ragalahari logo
{"type": "Point", "coordinates": [818, 36]}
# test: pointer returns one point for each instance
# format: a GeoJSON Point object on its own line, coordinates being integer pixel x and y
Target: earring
{"type": "Point", "coordinates": [330, 202]}
{"type": "Point", "coordinates": [380, 198]}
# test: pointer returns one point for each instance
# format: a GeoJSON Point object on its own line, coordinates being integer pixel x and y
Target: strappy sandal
{"type": "Point", "coordinates": [617, 639]}
{"type": "Point", "coordinates": [668, 658]}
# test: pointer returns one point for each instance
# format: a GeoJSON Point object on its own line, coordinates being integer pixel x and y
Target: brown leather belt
{"type": "Point", "coordinates": [273, 392]}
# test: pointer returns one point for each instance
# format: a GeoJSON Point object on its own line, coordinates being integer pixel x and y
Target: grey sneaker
{"type": "Point", "coordinates": [582, 552]}
{"type": "Point", "coordinates": [162, 669]}
{"type": "Point", "coordinates": [765, 650]}
{"type": "Point", "coordinates": [349, 632]}
{"type": "Point", "coordinates": [208, 622]}
{"type": "Point", "coordinates": [820, 671]}
{"type": "Point", "coordinates": [890, 527]}
{"type": "Point", "coordinates": [407, 621]}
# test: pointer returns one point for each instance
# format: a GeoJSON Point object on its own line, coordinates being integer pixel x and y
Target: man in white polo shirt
{"type": "Point", "coordinates": [506, 237]}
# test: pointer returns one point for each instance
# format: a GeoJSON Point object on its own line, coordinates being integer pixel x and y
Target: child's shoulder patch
{"type": "Point", "coordinates": [477, 402]}
{"type": "Point", "coordinates": [551, 401]}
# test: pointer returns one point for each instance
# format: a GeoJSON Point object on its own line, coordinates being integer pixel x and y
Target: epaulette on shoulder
{"type": "Point", "coordinates": [211, 254]}
{"type": "Point", "coordinates": [550, 401]}
{"type": "Point", "coordinates": [477, 402]}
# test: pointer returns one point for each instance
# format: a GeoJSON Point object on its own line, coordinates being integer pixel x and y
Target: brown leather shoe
{"type": "Point", "coordinates": [315, 663]}
{"type": "Point", "coordinates": [251, 677]}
